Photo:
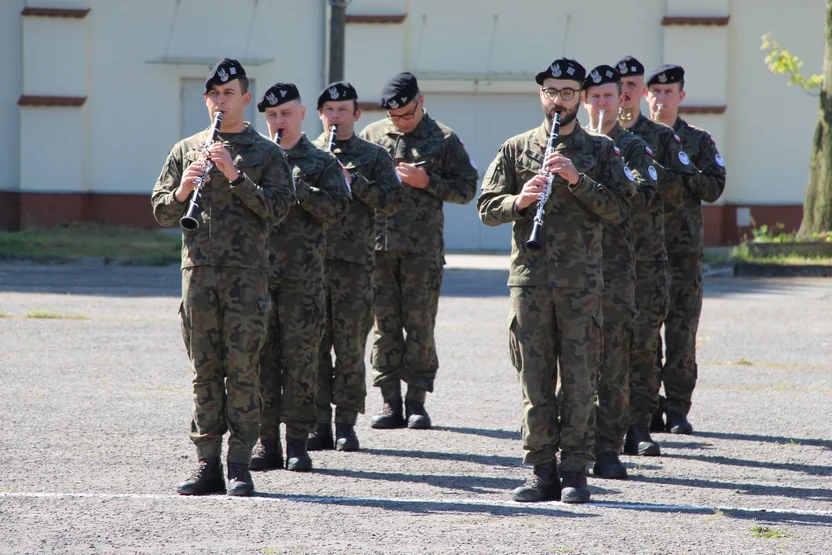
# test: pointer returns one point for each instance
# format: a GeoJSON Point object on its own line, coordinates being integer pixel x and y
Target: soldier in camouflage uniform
{"type": "Point", "coordinates": [289, 358]}
{"type": "Point", "coordinates": [556, 313]}
{"type": "Point", "coordinates": [350, 253]}
{"type": "Point", "coordinates": [602, 91]}
{"type": "Point", "coordinates": [652, 278]}
{"type": "Point", "coordinates": [684, 237]}
{"type": "Point", "coordinates": [225, 296]}
{"type": "Point", "coordinates": [410, 249]}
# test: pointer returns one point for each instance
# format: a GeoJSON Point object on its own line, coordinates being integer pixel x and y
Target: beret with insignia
{"type": "Point", "coordinates": [279, 93]}
{"type": "Point", "coordinates": [337, 92]}
{"type": "Point", "coordinates": [665, 74]}
{"type": "Point", "coordinates": [629, 67]}
{"type": "Point", "coordinates": [399, 91]}
{"type": "Point", "coordinates": [562, 68]}
{"type": "Point", "coordinates": [224, 72]}
{"type": "Point", "coordinates": [601, 75]}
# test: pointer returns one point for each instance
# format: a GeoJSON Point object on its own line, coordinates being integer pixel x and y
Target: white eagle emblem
{"type": "Point", "coordinates": [333, 93]}
{"type": "Point", "coordinates": [595, 76]}
{"type": "Point", "coordinates": [622, 68]}
{"type": "Point", "coordinates": [556, 72]}
{"type": "Point", "coordinates": [393, 104]}
{"type": "Point", "coordinates": [222, 74]}
{"type": "Point", "coordinates": [271, 99]}
{"type": "Point", "coordinates": [662, 78]}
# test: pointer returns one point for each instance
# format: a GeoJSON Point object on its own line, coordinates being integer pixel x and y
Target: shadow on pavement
{"type": "Point", "coordinates": [766, 439]}
{"type": "Point", "coordinates": [813, 470]}
{"type": "Point", "coordinates": [494, 460]}
{"type": "Point", "coordinates": [741, 489]}
{"type": "Point", "coordinates": [495, 434]}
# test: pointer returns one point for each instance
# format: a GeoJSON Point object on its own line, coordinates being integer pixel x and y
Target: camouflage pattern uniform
{"type": "Point", "coordinates": [350, 253]}
{"type": "Point", "coordinates": [411, 249]}
{"type": "Point", "coordinates": [652, 278]}
{"type": "Point", "coordinates": [225, 296]}
{"type": "Point", "coordinates": [296, 270]}
{"type": "Point", "coordinates": [618, 300]}
{"type": "Point", "coordinates": [684, 236]}
{"type": "Point", "coordinates": [556, 314]}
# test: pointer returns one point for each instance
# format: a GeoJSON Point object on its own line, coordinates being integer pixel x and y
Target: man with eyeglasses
{"type": "Point", "coordinates": [435, 168]}
{"type": "Point", "coordinates": [556, 314]}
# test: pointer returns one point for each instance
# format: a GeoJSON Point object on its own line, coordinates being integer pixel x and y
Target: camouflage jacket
{"type": "Point", "coordinates": [375, 186]}
{"type": "Point", "coordinates": [620, 240]}
{"type": "Point", "coordinates": [672, 165]}
{"type": "Point", "coordinates": [683, 228]}
{"type": "Point", "coordinates": [234, 221]}
{"type": "Point", "coordinates": [418, 225]}
{"type": "Point", "coordinates": [298, 245]}
{"type": "Point", "coordinates": [572, 251]}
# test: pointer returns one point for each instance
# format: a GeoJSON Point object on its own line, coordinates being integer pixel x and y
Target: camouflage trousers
{"type": "Point", "coordinates": [407, 300]}
{"type": "Point", "coordinates": [349, 304]}
{"type": "Point", "coordinates": [679, 371]}
{"type": "Point", "coordinates": [645, 372]}
{"type": "Point", "coordinates": [548, 327]}
{"type": "Point", "coordinates": [289, 359]}
{"type": "Point", "coordinates": [613, 415]}
{"type": "Point", "coordinates": [223, 317]}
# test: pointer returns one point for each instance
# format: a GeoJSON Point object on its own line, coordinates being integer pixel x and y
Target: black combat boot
{"type": "Point", "coordinates": [608, 465]}
{"type": "Point", "coordinates": [267, 454]}
{"type": "Point", "coordinates": [657, 421]}
{"type": "Point", "coordinates": [239, 480]}
{"type": "Point", "coordinates": [677, 423]}
{"type": "Point", "coordinates": [639, 442]}
{"type": "Point", "coordinates": [297, 459]}
{"type": "Point", "coordinates": [345, 437]}
{"type": "Point", "coordinates": [574, 488]}
{"type": "Point", "coordinates": [543, 485]}
{"type": "Point", "coordinates": [320, 439]}
{"type": "Point", "coordinates": [206, 479]}
{"type": "Point", "coordinates": [390, 415]}
{"type": "Point", "coordinates": [417, 416]}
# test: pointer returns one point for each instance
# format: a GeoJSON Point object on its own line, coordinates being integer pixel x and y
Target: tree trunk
{"type": "Point", "coordinates": [817, 208]}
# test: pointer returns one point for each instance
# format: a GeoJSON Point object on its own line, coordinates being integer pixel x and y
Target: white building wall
{"type": "Point", "coordinates": [11, 59]}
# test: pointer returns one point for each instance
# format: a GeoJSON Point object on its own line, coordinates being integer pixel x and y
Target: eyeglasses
{"type": "Point", "coordinates": [406, 116]}
{"type": "Point", "coordinates": [552, 94]}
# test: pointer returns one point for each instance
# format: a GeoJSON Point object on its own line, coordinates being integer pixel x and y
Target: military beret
{"type": "Point", "coordinates": [629, 67]}
{"type": "Point", "coordinates": [279, 93]}
{"type": "Point", "coordinates": [398, 91]}
{"type": "Point", "coordinates": [224, 72]}
{"type": "Point", "coordinates": [562, 68]}
{"type": "Point", "coordinates": [665, 74]}
{"type": "Point", "coordinates": [601, 75]}
{"type": "Point", "coordinates": [337, 92]}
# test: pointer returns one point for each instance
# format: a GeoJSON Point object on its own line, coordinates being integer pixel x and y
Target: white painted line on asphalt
{"type": "Point", "coordinates": [546, 506]}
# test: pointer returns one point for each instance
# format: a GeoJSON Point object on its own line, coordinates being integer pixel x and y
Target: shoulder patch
{"type": "Point", "coordinates": [718, 159]}
{"type": "Point", "coordinates": [648, 151]}
{"type": "Point", "coordinates": [713, 141]}
{"type": "Point", "coordinates": [676, 138]}
{"type": "Point", "coordinates": [653, 173]}
{"type": "Point", "coordinates": [683, 158]}
{"type": "Point", "coordinates": [616, 150]}
{"type": "Point", "coordinates": [629, 174]}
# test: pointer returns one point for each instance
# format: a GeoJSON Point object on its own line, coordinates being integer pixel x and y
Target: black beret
{"type": "Point", "coordinates": [629, 66]}
{"type": "Point", "coordinates": [279, 93]}
{"type": "Point", "coordinates": [337, 92]}
{"type": "Point", "coordinates": [398, 91]}
{"type": "Point", "coordinates": [562, 68]}
{"type": "Point", "coordinates": [665, 74]}
{"type": "Point", "coordinates": [602, 75]}
{"type": "Point", "coordinates": [224, 72]}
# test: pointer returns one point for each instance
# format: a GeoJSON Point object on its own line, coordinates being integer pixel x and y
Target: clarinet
{"type": "Point", "coordinates": [535, 242]}
{"type": "Point", "coordinates": [333, 136]}
{"type": "Point", "coordinates": [278, 136]}
{"type": "Point", "coordinates": [189, 221]}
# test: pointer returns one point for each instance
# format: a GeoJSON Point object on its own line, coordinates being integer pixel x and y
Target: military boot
{"type": "Point", "coordinates": [267, 455]}
{"type": "Point", "coordinates": [677, 423]}
{"type": "Point", "coordinates": [657, 421]}
{"type": "Point", "coordinates": [320, 439]}
{"type": "Point", "coordinates": [416, 415]}
{"type": "Point", "coordinates": [239, 480]}
{"type": "Point", "coordinates": [345, 437]}
{"type": "Point", "coordinates": [574, 488]}
{"type": "Point", "coordinates": [206, 479]}
{"type": "Point", "coordinates": [544, 484]}
{"type": "Point", "coordinates": [390, 415]}
{"type": "Point", "coordinates": [639, 442]}
{"type": "Point", "coordinates": [608, 465]}
{"type": "Point", "coordinates": [297, 459]}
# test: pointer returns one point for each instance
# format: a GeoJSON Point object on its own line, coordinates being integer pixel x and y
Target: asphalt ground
{"type": "Point", "coordinates": [95, 406]}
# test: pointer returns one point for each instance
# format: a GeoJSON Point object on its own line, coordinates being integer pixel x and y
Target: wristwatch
{"type": "Point", "coordinates": [239, 179]}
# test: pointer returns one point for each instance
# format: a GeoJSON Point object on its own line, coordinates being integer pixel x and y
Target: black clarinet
{"type": "Point", "coordinates": [189, 221]}
{"type": "Point", "coordinates": [535, 242]}
{"type": "Point", "coordinates": [278, 136]}
{"type": "Point", "coordinates": [333, 136]}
